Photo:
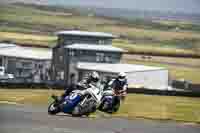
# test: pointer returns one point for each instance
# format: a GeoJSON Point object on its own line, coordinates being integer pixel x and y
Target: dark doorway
{"type": "Point", "coordinates": [1, 61]}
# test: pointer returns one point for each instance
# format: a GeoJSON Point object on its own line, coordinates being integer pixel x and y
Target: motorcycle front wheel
{"type": "Point", "coordinates": [77, 111]}
{"type": "Point", "coordinates": [53, 109]}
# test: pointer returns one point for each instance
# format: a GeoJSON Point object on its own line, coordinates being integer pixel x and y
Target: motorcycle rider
{"type": "Point", "coordinates": [92, 82]}
{"type": "Point", "coordinates": [93, 79]}
{"type": "Point", "coordinates": [116, 88]}
{"type": "Point", "coordinates": [119, 85]}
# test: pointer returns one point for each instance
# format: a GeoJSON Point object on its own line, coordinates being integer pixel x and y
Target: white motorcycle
{"type": "Point", "coordinates": [92, 100]}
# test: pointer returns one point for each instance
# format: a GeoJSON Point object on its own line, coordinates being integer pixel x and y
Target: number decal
{"type": "Point", "coordinates": [72, 96]}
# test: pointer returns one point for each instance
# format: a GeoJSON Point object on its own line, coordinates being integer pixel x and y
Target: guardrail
{"type": "Point", "coordinates": [186, 85]}
{"type": "Point", "coordinates": [163, 92]}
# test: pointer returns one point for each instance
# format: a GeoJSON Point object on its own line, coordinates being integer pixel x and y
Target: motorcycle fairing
{"type": "Point", "coordinates": [71, 102]}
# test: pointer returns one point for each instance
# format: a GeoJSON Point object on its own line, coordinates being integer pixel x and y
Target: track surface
{"type": "Point", "coordinates": [30, 119]}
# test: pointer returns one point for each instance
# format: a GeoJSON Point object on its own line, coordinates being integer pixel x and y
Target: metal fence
{"type": "Point", "coordinates": [186, 85]}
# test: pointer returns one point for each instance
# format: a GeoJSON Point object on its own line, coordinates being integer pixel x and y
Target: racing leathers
{"type": "Point", "coordinates": [119, 87]}
{"type": "Point", "coordinates": [82, 85]}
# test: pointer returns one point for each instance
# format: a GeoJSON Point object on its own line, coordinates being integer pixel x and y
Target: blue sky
{"type": "Point", "coordinates": [188, 6]}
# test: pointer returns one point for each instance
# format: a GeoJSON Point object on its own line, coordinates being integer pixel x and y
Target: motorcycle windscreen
{"type": "Point", "coordinates": [70, 102]}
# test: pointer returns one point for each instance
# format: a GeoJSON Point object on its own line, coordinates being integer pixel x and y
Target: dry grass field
{"type": "Point", "coordinates": [37, 25]}
{"type": "Point", "coordinates": [18, 19]}
{"type": "Point", "coordinates": [176, 61]}
{"type": "Point", "coordinates": [156, 49]}
{"type": "Point", "coordinates": [23, 38]}
{"type": "Point", "coordinates": [145, 33]}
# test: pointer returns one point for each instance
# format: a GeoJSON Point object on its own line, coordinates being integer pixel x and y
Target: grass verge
{"type": "Point", "coordinates": [136, 105]}
{"type": "Point", "coordinates": [156, 49]}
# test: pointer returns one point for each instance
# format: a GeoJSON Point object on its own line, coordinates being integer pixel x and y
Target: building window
{"type": "Point", "coordinates": [27, 64]}
{"type": "Point", "coordinates": [107, 59]}
{"type": "Point", "coordinates": [60, 75]}
{"type": "Point", "coordinates": [24, 65]}
{"type": "Point", "coordinates": [101, 42]}
{"type": "Point", "coordinates": [71, 53]}
{"type": "Point", "coordinates": [68, 42]}
{"type": "Point", "coordinates": [99, 57]}
{"type": "Point", "coordinates": [61, 58]}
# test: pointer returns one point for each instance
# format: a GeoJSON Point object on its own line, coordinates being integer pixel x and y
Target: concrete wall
{"type": "Point", "coordinates": [157, 79]}
{"type": "Point", "coordinates": [147, 79]}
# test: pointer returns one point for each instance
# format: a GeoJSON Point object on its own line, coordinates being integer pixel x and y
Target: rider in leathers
{"type": "Point", "coordinates": [93, 79]}
{"type": "Point", "coordinates": [119, 85]}
{"type": "Point", "coordinates": [92, 82]}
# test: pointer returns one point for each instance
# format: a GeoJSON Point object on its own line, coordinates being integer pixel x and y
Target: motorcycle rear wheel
{"type": "Point", "coordinates": [116, 108]}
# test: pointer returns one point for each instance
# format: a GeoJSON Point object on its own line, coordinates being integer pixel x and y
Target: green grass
{"type": "Point", "coordinates": [135, 105]}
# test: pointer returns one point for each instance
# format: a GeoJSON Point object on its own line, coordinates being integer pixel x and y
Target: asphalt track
{"type": "Point", "coordinates": [31, 119]}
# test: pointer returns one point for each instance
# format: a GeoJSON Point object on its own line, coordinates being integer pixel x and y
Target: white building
{"type": "Point", "coordinates": [26, 63]}
{"type": "Point", "coordinates": [137, 75]}
{"type": "Point", "coordinates": [79, 52]}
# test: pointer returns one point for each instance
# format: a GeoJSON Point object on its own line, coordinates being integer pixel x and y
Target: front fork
{"type": "Point", "coordinates": [83, 101]}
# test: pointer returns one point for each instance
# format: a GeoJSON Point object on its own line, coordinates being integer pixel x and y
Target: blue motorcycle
{"type": "Point", "coordinates": [75, 104]}
{"type": "Point", "coordinates": [110, 102]}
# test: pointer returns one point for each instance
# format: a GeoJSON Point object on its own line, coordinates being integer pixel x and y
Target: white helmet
{"type": "Point", "coordinates": [95, 76]}
{"type": "Point", "coordinates": [122, 76]}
